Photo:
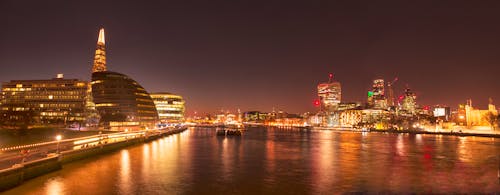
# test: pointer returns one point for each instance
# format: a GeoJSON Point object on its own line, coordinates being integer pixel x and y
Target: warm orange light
{"type": "Point", "coordinates": [101, 36]}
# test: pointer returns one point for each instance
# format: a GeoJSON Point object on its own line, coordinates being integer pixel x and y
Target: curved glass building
{"type": "Point", "coordinates": [121, 102]}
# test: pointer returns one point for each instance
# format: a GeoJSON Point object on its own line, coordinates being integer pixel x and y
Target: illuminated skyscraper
{"type": "Point", "coordinates": [409, 102]}
{"type": "Point", "coordinates": [100, 54]}
{"type": "Point", "coordinates": [330, 94]}
{"type": "Point", "coordinates": [376, 97]}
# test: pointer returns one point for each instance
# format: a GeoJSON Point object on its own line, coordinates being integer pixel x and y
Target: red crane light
{"type": "Point", "coordinates": [316, 103]}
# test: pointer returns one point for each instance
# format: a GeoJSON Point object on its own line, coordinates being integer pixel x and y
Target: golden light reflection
{"type": "Point", "coordinates": [226, 160]}
{"type": "Point", "coordinates": [325, 172]}
{"type": "Point", "coordinates": [270, 159]}
{"type": "Point", "coordinates": [154, 149]}
{"type": "Point", "coordinates": [464, 153]}
{"type": "Point", "coordinates": [400, 147]}
{"type": "Point", "coordinates": [146, 156]}
{"type": "Point", "coordinates": [418, 139]}
{"type": "Point", "coordinates": [55, 187]}
{"type": "Point", "coordinates": [125, 178]}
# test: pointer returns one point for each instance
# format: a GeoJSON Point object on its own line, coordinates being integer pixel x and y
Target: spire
{"type": "Point", "coordinates": [101, 37]}
{"type": "Point", "coordinates": [100, 54]}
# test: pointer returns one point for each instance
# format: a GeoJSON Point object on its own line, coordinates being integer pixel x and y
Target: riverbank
{"type": "Point", "coordinates": [17, 174]}
{"type": "Point", "coordinates": [465, 132]}
{"type": "Point", "coordinates": [15, 137]}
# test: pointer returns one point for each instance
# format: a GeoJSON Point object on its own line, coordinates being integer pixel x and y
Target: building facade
{"type": "Point", "coordinates": [478, 118]}
{"type": "Point", "coordinates": [121, 101]}
{"type": "Point", "coordinates": [330, 95]}
{"type": "Point", "coordinates": [408, 103]}
{"type": "Point", "coordinates": [100, 54]}
{"type": "Point", "coordinates": [376, 97]}
{"type": "Point", "coordinates": [55, 101]}
{"type": "Point", "coordinates": [170, 107]}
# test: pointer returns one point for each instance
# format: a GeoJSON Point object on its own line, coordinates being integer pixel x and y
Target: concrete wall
{"type": "Point", "coordinates": [69, 156]}
{"type": "Point", "coordinates": [11, 177]}
{"type": "Point", "coordinates": [39, 167]}
{"type": "Point", "coordinates": [14, 176]}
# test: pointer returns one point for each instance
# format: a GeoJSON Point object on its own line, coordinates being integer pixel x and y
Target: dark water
{"type": "Point", "coordinates": [271, 161]}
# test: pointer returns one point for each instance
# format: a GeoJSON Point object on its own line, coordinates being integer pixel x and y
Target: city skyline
{"type": "Point", "coordinates": [218, 62]}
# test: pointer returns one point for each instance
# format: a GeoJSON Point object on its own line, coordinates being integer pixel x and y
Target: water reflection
{"type": "Point", "coordinates": [400, 147]}
{"type": "Point", "coordinates": [125, 177]}
{"type": "Point", "coordinates": [324, 163]}
{"type": "Point", "coordinates": [278, 161]}
{"type": "Point", "coordinates": [55, 186]}
{"type": "Point", "coordinates": [271, 159]}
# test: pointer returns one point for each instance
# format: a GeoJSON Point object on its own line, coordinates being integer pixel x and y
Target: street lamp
{"type": "Point", "coordinates": [58, 138]}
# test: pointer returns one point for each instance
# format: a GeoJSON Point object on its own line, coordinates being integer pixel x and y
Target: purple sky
{"type": "Point", "coordinates": [256, 55]}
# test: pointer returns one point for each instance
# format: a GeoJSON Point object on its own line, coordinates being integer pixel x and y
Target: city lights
{"type": "Point", "coordinates": [250, 97]}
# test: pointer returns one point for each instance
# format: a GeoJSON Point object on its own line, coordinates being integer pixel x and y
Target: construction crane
{"type": "Point", "coordinates": [391, 92]}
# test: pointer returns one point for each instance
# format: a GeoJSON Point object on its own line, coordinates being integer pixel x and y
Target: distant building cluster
{"type": "Point", "coordinates": [250, 118]}
{"type": "Point", "coordinates": [383, 110]}
{"type": "Point", "coordinates": [111, 100]}
{"type": "Point", "coordinates": [387, 112]}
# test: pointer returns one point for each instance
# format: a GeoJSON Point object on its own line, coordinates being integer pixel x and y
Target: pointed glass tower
{"type": "Point", "coordinates": [100, 54]}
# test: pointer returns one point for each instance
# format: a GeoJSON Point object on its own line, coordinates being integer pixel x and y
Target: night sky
{"type": "Point", "coordinates": [256, 55]}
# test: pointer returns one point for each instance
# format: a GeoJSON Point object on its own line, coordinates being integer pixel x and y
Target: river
{"type": "Point", "coordinates": [279, 161]}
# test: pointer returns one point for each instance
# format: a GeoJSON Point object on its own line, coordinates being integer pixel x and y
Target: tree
{"type": "Point", "coordinates": [492, 119]}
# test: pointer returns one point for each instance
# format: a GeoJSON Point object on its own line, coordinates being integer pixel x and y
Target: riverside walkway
{"type": "Point", "coordinates": [17, 155]}
{"type": "Point", "coordinates": [21, 163]}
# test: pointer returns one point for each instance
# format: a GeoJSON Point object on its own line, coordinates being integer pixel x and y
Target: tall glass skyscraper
{"type": "Point", "coordinates": [100, 54]}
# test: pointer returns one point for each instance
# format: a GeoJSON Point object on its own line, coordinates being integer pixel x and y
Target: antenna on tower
{"type": "Point", "coordinates": [330, 77]}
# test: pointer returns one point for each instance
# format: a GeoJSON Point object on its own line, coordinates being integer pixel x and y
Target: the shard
{"type": "Point", "coordinates": [100, 54]}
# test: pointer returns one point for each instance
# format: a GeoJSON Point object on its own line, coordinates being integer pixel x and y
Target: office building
{"type": "Point", "coordinates": [330, 95]}
{"type": "Point", "coordinates": [170, 107]}
{"type": "Point", "coordinates": [376, 97]}
{"type": "Point", "coordinates": [56, 101]}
